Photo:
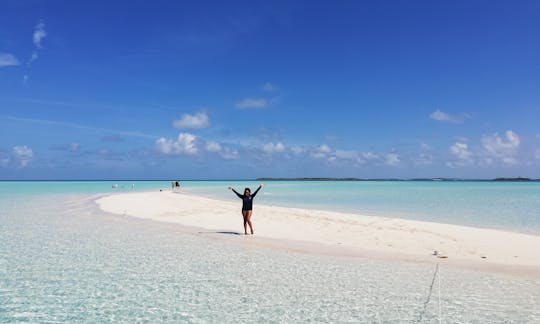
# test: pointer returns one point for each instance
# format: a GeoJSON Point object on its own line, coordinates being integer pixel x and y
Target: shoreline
{"type": "Point", "coordinates": [337, 233]}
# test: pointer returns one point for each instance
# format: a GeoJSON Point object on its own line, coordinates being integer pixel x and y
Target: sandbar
{"type": "Point", "coordinates": [339, 233]}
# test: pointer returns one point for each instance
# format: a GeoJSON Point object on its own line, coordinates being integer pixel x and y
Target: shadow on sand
{"type": "Point", "coordinates": [222, 232]}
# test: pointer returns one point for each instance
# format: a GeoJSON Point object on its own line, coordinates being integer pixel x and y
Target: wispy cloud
{"type": "Point", "coordinates": [252, 103]}
{"type": "Point", "coordinates": [39, 34]}
{"type": "Point", "coordinates": [439, 115]}
{"type": "Point", "coordinates": [78, 126]}
{"type": "Point", "coordinates": [7, 59]}
{"type": "Point", "coordinates": [69, 147]}
{"type": "Point", "coordinates": [192, 121]}
{"type": "Point", "coordinates": [269, 87]}
{"type": "Point", "coordinates": [112, 139]}
{"type": "Point", "coordinates": [37, 38]}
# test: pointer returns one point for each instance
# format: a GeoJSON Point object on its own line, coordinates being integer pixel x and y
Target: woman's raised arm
{"type": "Point", "coordinates": [239, 195]}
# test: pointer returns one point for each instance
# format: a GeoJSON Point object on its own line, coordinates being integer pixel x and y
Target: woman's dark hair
{"type": "Point", "coordinates": [247, 189]}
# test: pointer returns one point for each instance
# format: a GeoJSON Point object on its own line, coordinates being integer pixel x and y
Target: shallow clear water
{"type": "Point", "coordinates": [62, 260]}
{"type": "Point", "coordinates": [507, 205]}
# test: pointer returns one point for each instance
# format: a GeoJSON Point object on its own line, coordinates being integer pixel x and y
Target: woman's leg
{"type": "Point", "coordinates": [245, 216]}
{"type": "Point", "coordinates": [249, 220]}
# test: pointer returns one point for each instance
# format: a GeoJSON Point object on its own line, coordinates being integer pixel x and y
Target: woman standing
{"type": "Point", "coordinates": [247, 206]}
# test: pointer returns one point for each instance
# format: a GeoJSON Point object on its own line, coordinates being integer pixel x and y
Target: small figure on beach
{"type": "Point", "coordinates": [247, 206]}
{"type": "Point", "coordinates": [175, 185]}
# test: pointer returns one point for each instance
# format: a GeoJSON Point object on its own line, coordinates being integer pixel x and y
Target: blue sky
{"type": "Point", "coordinates": [237, 90]}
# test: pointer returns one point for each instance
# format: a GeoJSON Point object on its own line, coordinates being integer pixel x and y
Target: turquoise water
{"type": "Point", "coordinates": [32, 188]}
{"type": "Point", "coordinates": [64, 261]}
{"type": "Point", "coordinates": [505, 205]}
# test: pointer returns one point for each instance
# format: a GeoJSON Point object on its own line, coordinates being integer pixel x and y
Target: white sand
{"type": "Point", "coordinates": [338, 233]}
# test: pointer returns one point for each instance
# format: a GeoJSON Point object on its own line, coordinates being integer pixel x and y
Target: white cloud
{"type": "Point", "coordinates": [271, 148]}
{"type": "Point", "coordinates": [212, 146]}
{"type": "Point", "coordinates": [391, 159]}
{"type": "Point", "coordinates": [184, 144]}
{"type": "Point", "coordinates": [461, 152]}
{"type": "Point", "coordinates": [297, 150]}
{"type": "Point", "coordinates": [369, 156]}
{"type": "Point", "coordinates": [346, 155]}
{"type": "Point", "coordinates": [439, 115]}
{"type": "Point", "coordinates": [225, 152]}
{"type": "Point", "coordinates": [445, 117]}
{"type": "Point", "coordinates": [252, 103]}
{"type": "Point", "coordinates": [500, 148]}
{"type": "Point", "coordinates": [321, 152]}
{"type": "Point", "coordinates": [351, 156]}
{"type": "Point", "coordinates": [354, 157]}
{"type": "Point", "coordinates": [318, 155]}
{"type": "Point", "coordinates": [7, 59]}
{"type": "Point", "coordinates": [268, 87]}
{"type": "Point", "coordinates": [23, 154]}
{"type": "Point", "coordinates": [324, 148]}
{"type": "Point", "coordinates": [39, 34]}
{"type": "Point", "coordinates": [195, 121]}
{"type": "Point", "coordinates": [494, 149]}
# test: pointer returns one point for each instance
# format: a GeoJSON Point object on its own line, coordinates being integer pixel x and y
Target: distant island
{"type": "Point", "coordinates": [389, 179]}
{"type": "Point", "coordinates": [513, 179]}
{"type": "Point", "coordinates": [309, 179]}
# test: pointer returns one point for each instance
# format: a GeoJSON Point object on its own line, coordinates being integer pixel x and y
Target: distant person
{"type": "Point", "coordinates": [247, 206]}
{"type": "Point", "coordinates": [177, 184]}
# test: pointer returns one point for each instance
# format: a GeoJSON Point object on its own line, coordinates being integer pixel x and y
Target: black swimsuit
{"type": "Point", "coordinates": [247, 201]}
